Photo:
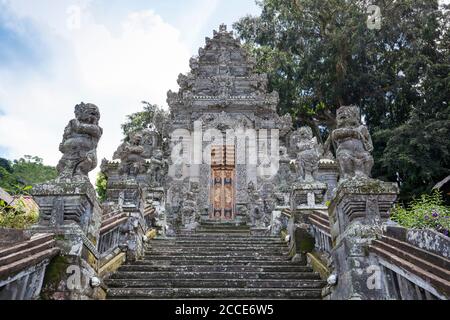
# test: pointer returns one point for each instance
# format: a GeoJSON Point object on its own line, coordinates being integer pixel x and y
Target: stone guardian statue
{"type": "Point", "coordinates": [131, 156]}
{"type": "Point", "coordinates": [354, 144]}
{"type": "Point", "coordinates": [308, 155]}
{"type": "Point", "coordinates": [79, 145]}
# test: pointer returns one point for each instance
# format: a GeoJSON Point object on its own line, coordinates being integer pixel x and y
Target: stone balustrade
{"type": "Point", "coordinates": [23, 265]}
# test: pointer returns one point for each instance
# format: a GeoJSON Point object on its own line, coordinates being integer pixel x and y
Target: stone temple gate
{"type": "Point", "coordinates": [222, 94]}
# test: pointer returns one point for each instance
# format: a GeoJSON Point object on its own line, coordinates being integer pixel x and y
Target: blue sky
{"type": "Point", "coordinates": [114, 53]}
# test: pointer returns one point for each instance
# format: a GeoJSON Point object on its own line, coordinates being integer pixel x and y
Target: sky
{"type": "Point", "coordinates": [55, 54]}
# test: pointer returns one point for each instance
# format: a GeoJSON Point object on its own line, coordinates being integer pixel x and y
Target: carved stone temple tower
{"type": "Point", "coordinates": [222, 95]}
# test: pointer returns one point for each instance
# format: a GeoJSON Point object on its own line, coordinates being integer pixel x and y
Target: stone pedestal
{"type": "Point", "coordinates": [356, 214]}
{"type": "Point", "coordinates": [328, 174]}
{"type": "Point", "coordinates": [67, 203]}
{"type": "Point", "coordinates": [70, 211]}
{"type": "Point", "coordinates": [280, 220]}
{"type": "Point", "coordinates": [128, 195]}
{"type": "Point", "coordinates": [308, 196]}
{"type": "Point", "coordinates": [305, 197]}
{"type": "Point", "coordinates": [155, 202]}
{"type": "Point", "coordinates": [301, 241]}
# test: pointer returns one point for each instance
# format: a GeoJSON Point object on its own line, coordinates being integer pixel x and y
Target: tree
{"type": "Point", "coordinates": [152, 117]}
{"type": "Point", "coordinates": [5, 164]}
{"type": "Point", "coordinates": [23, 172]}
{"type": "Point", "coordinates": [418, 151]}
{"type": "Point", "coordinates": [320, 55]}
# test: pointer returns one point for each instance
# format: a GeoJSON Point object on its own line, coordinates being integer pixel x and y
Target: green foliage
{"type": "Point", "coordinates": [419, 151]}
{"type": "Point", "coordinates": [24, 171]}
{"type": "Point", "coordinates": [426, 212]}
{"type": "Point", "coordinates": [32, 170]}
{"type": "Point", "coordinates": [320, 55]}
{"type": "Point", "coordinates": [152, 117]}
{"type": "Point", "coordinates": [8, 181]}
{"type": "Point", "coordinates": [100, 185]}
{"type": "Point", "coordinates": [16, 215]}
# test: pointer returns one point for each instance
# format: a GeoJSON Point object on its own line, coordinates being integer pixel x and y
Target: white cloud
{"type": "Point", "coordinates": [115, 70]}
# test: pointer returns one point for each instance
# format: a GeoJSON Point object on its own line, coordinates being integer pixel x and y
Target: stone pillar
{"type": "Point", "coordinates": [155, 200]}
{"type": "Point", "coordinates": [128, 195]}
{"type": "Point", "coordinates": [70, 210]}
{"type": "Point", "coordinates": [328, 174]}
{"type": "Point", "coordinates": [301, 241]}
{"type": "Point", "coordinates": [305, 197]}
{"type": "Point", "coordinates": [308, 196]}
{"type": "Point", "coordinates": [356, 214]}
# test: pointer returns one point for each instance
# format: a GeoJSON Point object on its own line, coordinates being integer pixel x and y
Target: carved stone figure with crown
{"type": "Point", "coordinates": [131, 155]}
{"type": "Point", "coordinates": [79, 145]}
{"type": "Point", "coordinates": [354, 144]}
{"type": "Point", "coordinates": [308, 155]}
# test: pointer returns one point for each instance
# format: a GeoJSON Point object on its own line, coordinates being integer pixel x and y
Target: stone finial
{"type": "Point", "coordinates": [223, 28]}
{"type": "Point", "coordinates": [354, 144]}
{"type": "Point", "coordinates": [79, 145]}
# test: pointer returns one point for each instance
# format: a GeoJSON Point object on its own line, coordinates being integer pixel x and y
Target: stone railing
{"type": "Point", "coordinates": [23, 265]}
{"type": "Point", "coordinates": [414, 262]}
{"type": "Point", "coordinates": [320, 228]}
{"type": "Point", "coordinates": [110, 233]}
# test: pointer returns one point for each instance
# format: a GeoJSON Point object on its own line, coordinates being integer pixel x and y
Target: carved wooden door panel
{"type": "Point", "coordinates": [222, 184]}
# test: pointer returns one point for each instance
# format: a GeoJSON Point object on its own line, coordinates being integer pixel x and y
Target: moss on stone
{"type": "Point", "coordinates": [54, 273]}
{"type": "Point", "coordinates": [306, 244]}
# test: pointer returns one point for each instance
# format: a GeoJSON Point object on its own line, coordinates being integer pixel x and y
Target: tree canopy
{"type": "Point", "coordinates": [320, 55]}
{"type": "Point", "coordinates": [25, 171]}
{"type": "Point", "coordinates": [151, 117]}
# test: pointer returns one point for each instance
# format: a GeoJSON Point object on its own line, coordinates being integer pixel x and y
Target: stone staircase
{"type": "Point", "coordinates": [215, 266]}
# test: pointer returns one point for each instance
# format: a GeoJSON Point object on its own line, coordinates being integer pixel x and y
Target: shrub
{"type": "Point", "coordinates": [426, 212]}
{"type": "Point", "coordinates": [101, 183]}
{"type": "Point", "coordinates": [17, 216]}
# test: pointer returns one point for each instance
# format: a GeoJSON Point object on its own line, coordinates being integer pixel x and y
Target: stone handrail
{"type": "Point", "coordinates": [23, 265]}
{"type": "Point", "coordinates": [321, 230]}
{"type": "Point", "coordinates": [110, 233]}
{"type": "Point", "coordinates": [415, 262]}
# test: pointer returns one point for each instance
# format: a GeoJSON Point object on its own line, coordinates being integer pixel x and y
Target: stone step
{"type": "Point", "coordinates": [218, 258]}
{"type": "Point", "coordinates": [213, 293]}
{"type": "Point", "coordinates": [221, 229]}
{"type": "Point", "coordinates": [212, 222]}
{"type": "Point", "coordinates": [200, 276]}
{"type": "Point", "coordinates": [218, 242]}
{"type": "Point", "coordinates": [214, 283]}
{"type": "Point", "coordinates": [222, 236]}
{"type": "Point", "coordinates": [255, 247]}
{"type": "Point", "coordinates": [210, 250]}
{"type": "Point", "coordinates": [216, 268]}
{"type": "Point", "coordinates": [205, 253]}
{"type": "Point", "coordinates": [206, 232]}
{"type": "Point", "coordinates": [206, 262]}
{"type": "Point", "coordinates": [227, 244]}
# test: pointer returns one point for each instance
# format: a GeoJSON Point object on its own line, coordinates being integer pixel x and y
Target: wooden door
{"type": "Point", "coordinates": [223, 183]}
